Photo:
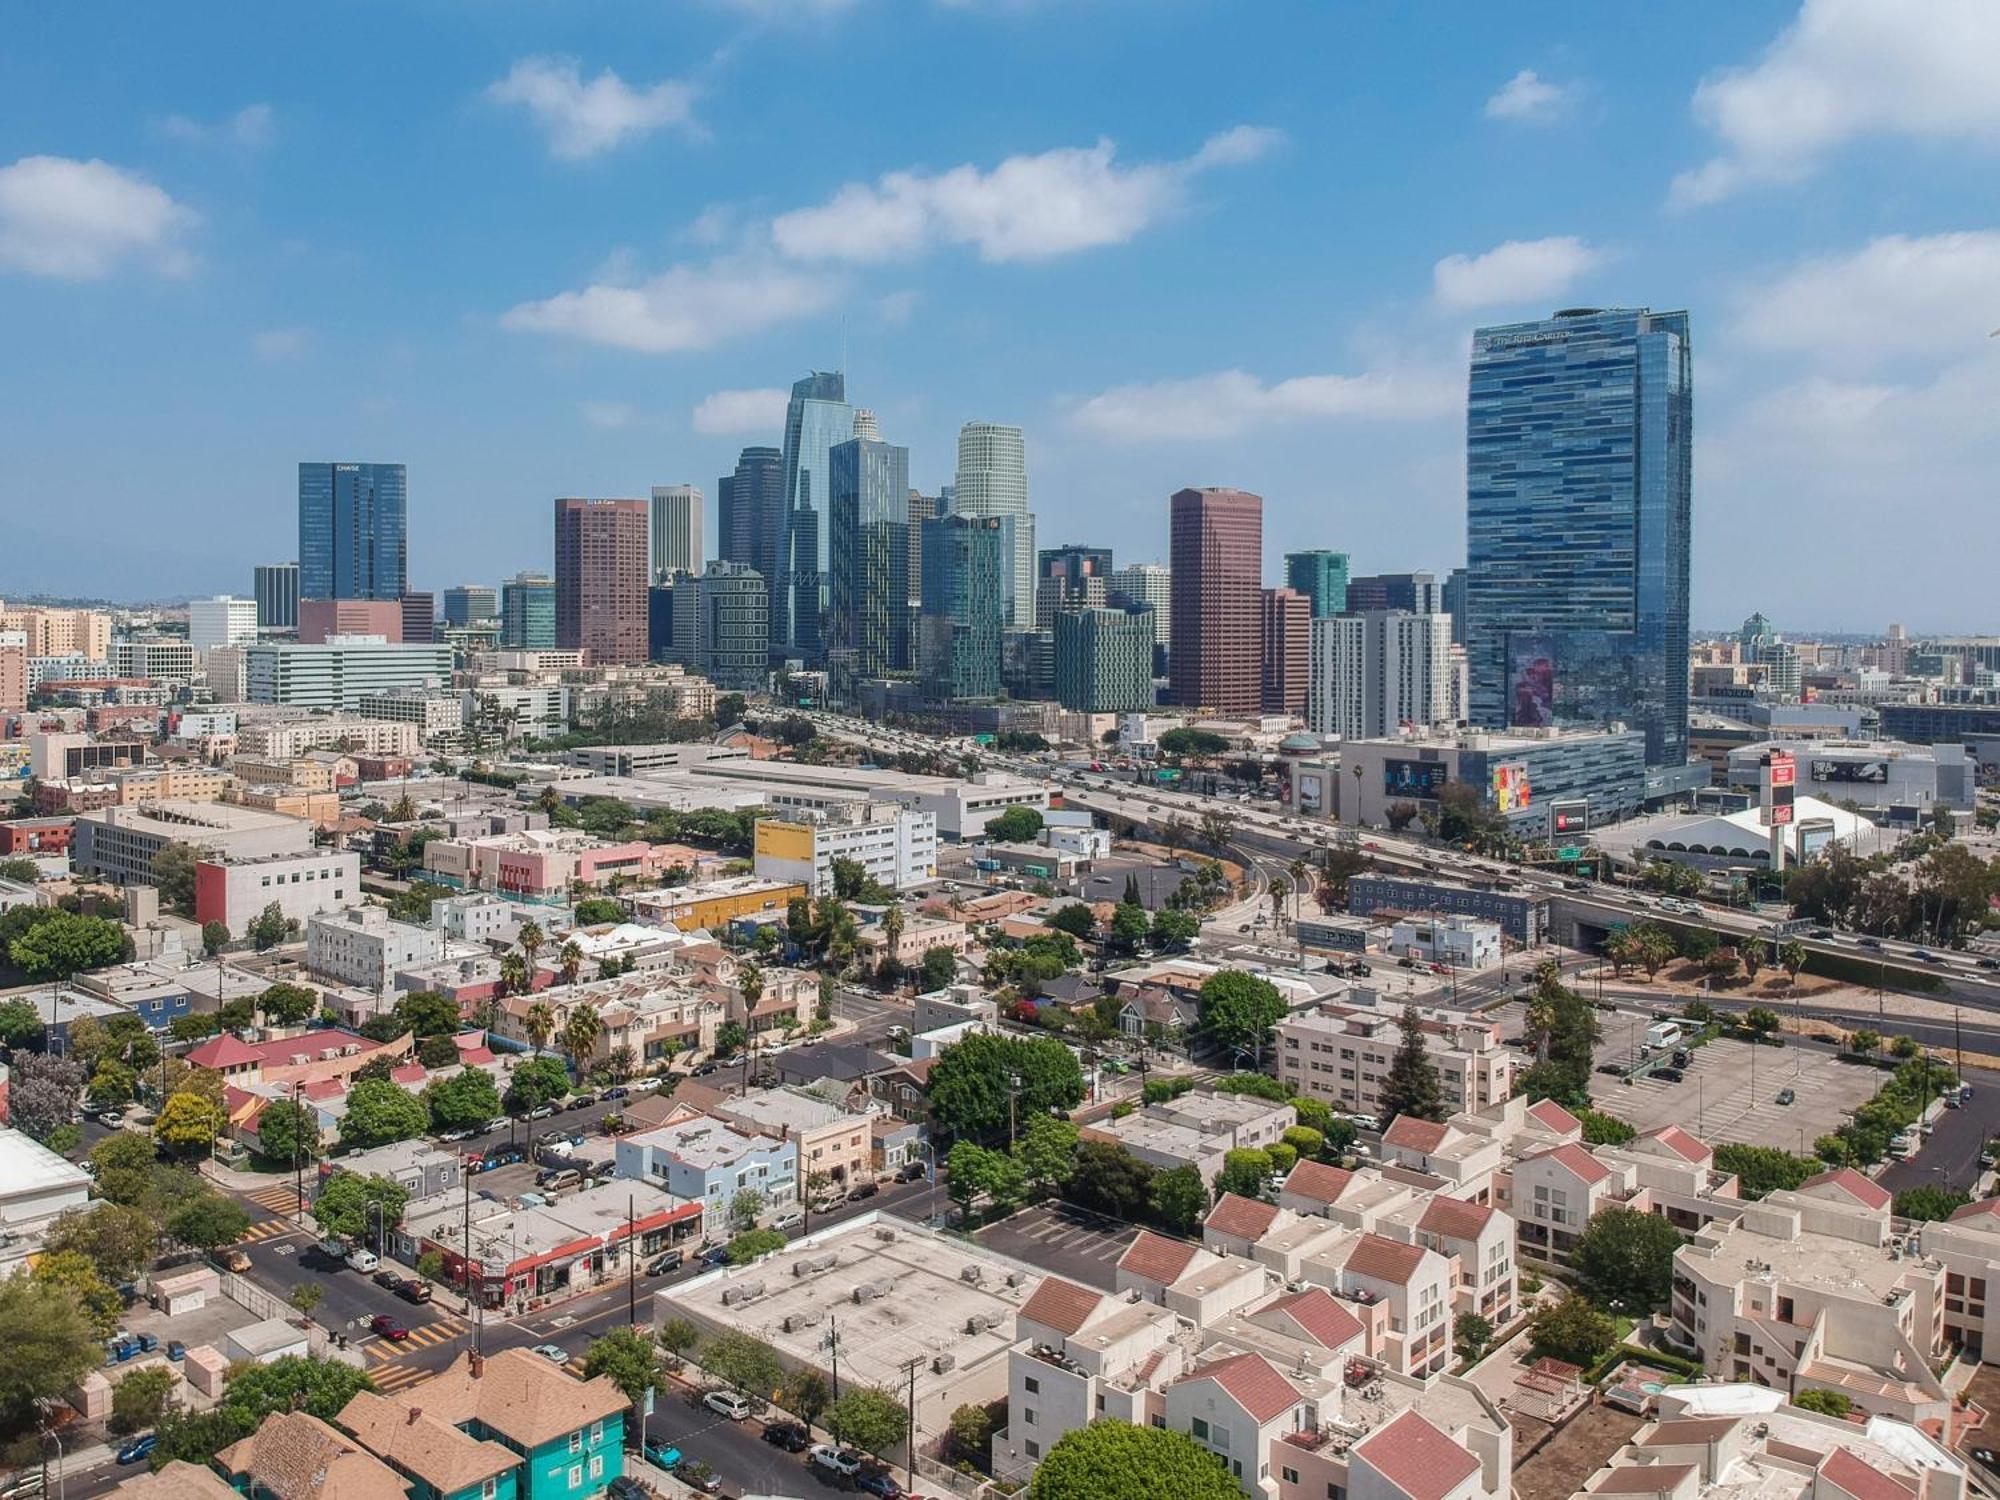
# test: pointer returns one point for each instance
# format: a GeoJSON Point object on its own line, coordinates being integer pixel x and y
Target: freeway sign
{"type": "Point", "coordinates": [1569, 851]}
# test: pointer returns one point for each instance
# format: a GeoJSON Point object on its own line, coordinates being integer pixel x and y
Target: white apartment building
{"type": "Point", "coordinates": [894, 845]}
{"type": "Point", "coordinates": [160, 658]}
{"type": "Point", "coordinates": [1459, 942]}
{"type": "Point", "coordinates": [287, 739]}
{"type": "Point", "coordinates": [118, 843]}
{"type": "Point", "coordinates": [1342, 1056]}
{"type": "Point", "coordinates": [363, 947]}
{"type": "Point", "coordinates": [1197, 1130]}
{"type": "Point", "coordinates": [529, 708]}
{"type": "Point", "coordinates": [221, 621]}
{"type": "Point", "coordinates": [1150, 584]}
{"type": "Point", "coordinates": [1968, 1246]}
{"type": "Point", "coordinates": [1376, 672]}
{"type": "Point", "coordinates": [235, 892]}
{"type": "Point", "coordinates": [338, 674]}
{"type": "Point", "coordinates": [438, 714]}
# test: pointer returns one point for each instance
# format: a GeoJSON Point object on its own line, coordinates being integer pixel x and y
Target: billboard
{"type": "Point", "coordinates": [1511, 792]}
{"type": "Point", "coordinates": [1569, 818]}
{"type": "Point", "coordinates": [1814, 834]}
{"type": "Point", "coordinates": [1875, 772]}
{"type": "Point", "coordinates": [1781, 775]}
{"type": "Point", "coordinates": [1531, 681]}
{"type": "Point", "coordinates": [1414, 778]}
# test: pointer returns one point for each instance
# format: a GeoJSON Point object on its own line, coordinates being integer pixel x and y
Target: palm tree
{"type": "Point", "coordinates": [581, 1029]}
{"type": "Point", "coordinates": [540, 1024]}
{"type": "Point", "coordinates": [531, 939]}
{"type": "Point", "coordinates": [1792, 958]}
{"type": "Point", "coordinates": [892, 930]}
{"type": "Point", "coordinates": [1300, 871]}
{"type": "Point", "coordinates": [513, 974]}
{"type": "Point", "coordinates": [572, 961]}
{"type": "Point", "coordinates": [1280, 888]}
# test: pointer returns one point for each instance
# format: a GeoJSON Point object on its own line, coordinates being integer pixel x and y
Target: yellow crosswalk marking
{"type": "Point", "coordinates": [265, 1229]}
{"type": "Point", "coordinates": [397, 1376]}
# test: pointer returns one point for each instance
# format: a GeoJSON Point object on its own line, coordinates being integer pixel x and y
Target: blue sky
{"type": "Point", "coordinates": [536, 249]}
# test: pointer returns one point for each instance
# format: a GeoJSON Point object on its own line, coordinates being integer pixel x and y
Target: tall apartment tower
{"type": "Point", "coordinates": [602, 569]}
{"type": "Point", "coordinates": [868, 611]}
{"type": "Point", "coordinates": [1287, 650]}
{"type": "Point", "coordinates": [221, 621]}
{"type": "Point", "coordinates": [1378, 671]}
{"type": "Point", "coordinates": [817, 420]}
{"type": "Point", "coordinates": [721, 626]}
{"type": "Point", "coordinates": [275, 586]}
{"type": "Point", "coordinates": [676, 529]}
{"type": "Point", "coordinates": [1216, 540]}
{"type": "Point", "coordinates": [963, 616]}
{"type": "Point", "coordinates": [353, 531]}
{"type": "Point", "coordinates": [750, 519]}
{"type": "Point", "coordinates": [1151, 585]}
{"type": "Point", "coordinates": [1104, 660]}
{"type": "Point", "coordinates": [992, 480]}
{"type": "Point", "coordinates": [1579, 481]}
{"type": "Point", "coordinates": [1322, 577]}
{"type": "Point", "coordinates": [528, 612]}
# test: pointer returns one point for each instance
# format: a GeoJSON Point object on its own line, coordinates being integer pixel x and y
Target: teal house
{"type": "Point", "coordinates": [567, 1435]}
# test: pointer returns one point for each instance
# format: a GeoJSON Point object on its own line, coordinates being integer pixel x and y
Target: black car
{"type": "Point", "coordinates": [1989, 963]}
{"type": "Point", "coordinates": [616, 1091]}
{"type": "Point", "coordinates": [670, 1260]}
{"type": "Point", "coordinates": [1869, 942]}
{"type": "Point", "coordinates": [1821, 934]}
{"type": "Point", "coordinates": [581, 1101]}
{"type": "Point", "coordinates": [387, 1279]}
{"type": "Point", "coordinates": [862, 1190]}
{"type": "Point", "coordinates": [1610, 1068]}
{"type": "Point", "coordinates": [1668, 1075]}
{"type": "Point", "coordinates": [625, 1487]}
{"type": "Point", "coordinates": [791, 1436]}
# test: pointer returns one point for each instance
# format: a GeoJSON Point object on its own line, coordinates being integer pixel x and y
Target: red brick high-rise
{"type": "Point", "coordinates": [1215, 657]}
{"type": "Point", "coordinates": [1287, 651]}
{"type": "Point", "coordinates": [602, 570]}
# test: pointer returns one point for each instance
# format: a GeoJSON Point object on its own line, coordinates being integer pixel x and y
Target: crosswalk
{"type": "Point", "coordinates": [265, 1229]}
{"type": "Point", "coordinates": [394, 1377]}
{"type": "Point", "coordinates": [279, 1198]}
{"type": "Point", "coordinates": [448, 1327]}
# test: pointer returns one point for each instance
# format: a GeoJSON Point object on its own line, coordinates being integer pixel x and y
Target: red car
{"type": "Point", "coordinates": [388, 1327]}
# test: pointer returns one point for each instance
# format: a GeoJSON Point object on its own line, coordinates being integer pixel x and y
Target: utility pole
{"type": "Point", "coordinates": [833, 1349]}
{"type": "Point", "coordinates": [910, 1425]}
{"type": "Point", "coordinates": [631, 1268]}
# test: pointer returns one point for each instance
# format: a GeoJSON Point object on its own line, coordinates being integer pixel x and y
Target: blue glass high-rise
{"type": "Point", "coordinates": [817, 419]}
{"type": "Point", "coordinates": [353, 531]}
{"type": "Point", "coordinates": [868, 610]}
{"type": "Point", "coordinates": [1578, 502]}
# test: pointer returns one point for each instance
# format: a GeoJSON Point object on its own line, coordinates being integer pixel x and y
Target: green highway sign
{"type": "Point", "coordinates": [1569, 852]}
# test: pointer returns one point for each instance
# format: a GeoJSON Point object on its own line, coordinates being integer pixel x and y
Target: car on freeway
{"type": "Point", "coordinates": [555, 1354]}
{"type": "Point", "coordinates": [1924, 955]}
{"type": "Point", "coordinates": [1989, 963]}
{"type": "Point", "coordinates": [793, 1437]}
{"type": "Point", "coordinates": [834, 1460]}
{"type": "Point", "coordinates": [1820, 934]}
{"type": "Point", "coordinates": [1869, 942]}
{"type": "Point", "coordinates": [662, 1452]}
{"type": "Point", "coordinates": [390, 1328]}
{"type": "Point", "coordinates": [728, 1403]}
{"type": "Point", "coordinates": [139, 1449]}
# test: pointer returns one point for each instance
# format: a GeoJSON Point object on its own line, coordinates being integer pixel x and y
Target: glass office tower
{"type": "Point", "coordinates": [276, 590]}
{"type": "Point", "coordinates": [868, 606]}
{"type": "Point", "coordinates": [964, 609]}
{"type": "Point", "coordinates": [817, 420]}
{"type": "Point", "coordinates": [528, 612]}
{"type": "Point", "coordinates": [1322, 577]}
{"type": "Point", "coordinates": [353, 537]}
{"type": "Point", "coordinates": [750, 515]}
{"type": "Point", "coordinates": [1578, 484]}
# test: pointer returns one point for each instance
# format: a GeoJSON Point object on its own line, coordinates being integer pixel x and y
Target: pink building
{"type": "Point", "coordinates": [320, 619]}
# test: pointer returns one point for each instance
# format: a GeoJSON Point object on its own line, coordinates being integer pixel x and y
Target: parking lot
{"type": "Point", "coordinates": [1730, 1092]}
{"type": "Point", "coordinates": [1070, 1242]}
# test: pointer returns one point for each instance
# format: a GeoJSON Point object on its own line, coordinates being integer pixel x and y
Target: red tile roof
{"type": "Point", "coordinates": [1413, 1134]}
{"type": "Point", "coordinates": [1258, 1388]}
{"type": "Point", "coordinates": [1862, 1479]}
{"type": "Point", "coordinates": [1643, 1479]}
{"type": "Point", "coordinates": [1317, 1181]}
{"type": "Point", "coordinates": [1417, 1458]}
{"type": "Point", "coordinates": [1863, 1190]}
{"type": "Point", "coordinates": [225, 1051]}
{"type": "Point", "coordinates": [475, 1057]}
{"type": "Point", "coordinates": [1245, 1218]}
{"type": "Point", "coordinates": [1385, 1260]}
{"type": "Point", "coordinates": [228, 1051]}
{"type": "Point", "coordinates": [1061, 1305]}
{"type": "Point", "coordinates": [1985, 1208]}
{"type": "Point", "coordinates": [1319, 1316]}
{"type": "Point", "coordinates": [1677, 1431]}
{"type": "Point", "coordinates": [1687, 1147]}
{"type": "Point", "coordinates": [408, 1074]}
{"type": "Point", "coordinates": [1551, 1116]}
{"type": "Point", "coordinates": [1456, 1219]}
{"type": "Point", "coordinates": [1581, 1164]}
{"type": "Point", "coordinates": [1158, 1258]}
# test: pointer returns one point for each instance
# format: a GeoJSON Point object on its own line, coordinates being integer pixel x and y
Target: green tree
{"type": "Point", "coordinates": [1174, 929]}
{"type": "Point", "coordinates": [1179, 1200]}
{"type": "Point", "coordinates": [173, 876]}
{"type": "Point", "coordinates": [628, 1357]}
{"type": "Point", "coordinates": [1764, 1169]}
{"type": "Point", "coordinates": [868, 1418]}
{"type": "Point", "coordinates": [1246, 1172]}
{"type": "Point", "coordinates": [1236, 1011]}
{"type": "Point", "coordinates": [214, 937]}
{"type": "Point", "coordinates": [123, 1164]}
{"type": "Point", "coordinates": [539, 1024]}
{"type": "Point", "coordinates": [112, 1083]}
{"type": "Point", "coordinates": [581, 1029]}
{"type": "Point", "coordinates": [677, 1336]}
{"type": "Point", "coordinates": [1016, 825]}
{"type": "Point", "coordinates": [1760, 1021]}
{"type": "Point", "coordinates": [287, 1131]}
{"type": "Point", "coordinates": [972, 1079]}
{"type": "Point", "coordinates": [738, 1359]}
{"type": "Point", "coordinates": [539, 1081]}
{"type": "Point", "coordinates": [596, 911]}
{"type": "Point", "coordinates": [21, 1024]}
{"type": "Point", "coordinates": [66, 944]}
{"type": "Point", "coordinates": [1827, 1403]}
{"type": "Point", "coordinates": [466, 1099]}
{"type": "Point", "coordinates": [1865, 1042]}
{"type": "Point", "coordinates": [71, 1275]}
{"type": "Point", "coordinates": [1108, 1178]}
{"type": "Point", "coordinates": [1411, 1086]}
{"type": "Point", "coordinates": [207, 1221]}
{"type": "Point", "coordinates": [1114, 1460]}
{"type": "Point", "coordinates": [754, 1243]}
{"type": "Point", "coordinates": [940, 968]}
{"type": "Point", "coordinates": [806, 1394]}
{"type": "Point", "coordinates": [1470, 1335]}
{"type": "Point", "coordinates": [379, 1112]}
{"type": "Point", "coordinates": [270, 927]}
{"type": "Point", "coordinates": [1572, 1330]}
{"type": "Point", "coordinates": [50, 1346]}
{"type": "Point", "coordinates": [287, 1004]}
{"type": "Point", "coordinates": [1600, 1129]}
{"type": "Point", "coordinates": [1930, 1202]}
{"type": "Point", "coordinates": [1903, 1047]}
{"type": "Point", "coordinates": [427, 1013]}
{"type": "Point", "coordinates": [971, 1430]}
{"type": "Point", "coordinates": [319, 1387]}
{"type": "Point", "coordinates": [139, 1398]}
{"type": "Point", "coordinates": [118, 1240]}
{"type": "Point", "coordinates": [1046, 1152]}
{"type": "Point", "coordinates": [188, 1122]}
{"type": "Point", "coordinates": [345, 1206]}
{"type": "Point", "coordinates": [973, 1172]}
{"type": "Point", "coordinates": [1625, 1258]}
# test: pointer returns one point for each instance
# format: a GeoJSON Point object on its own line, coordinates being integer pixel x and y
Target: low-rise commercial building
{"type": "Point", "coordinates": [716, 903]}
{"type": "Point", "coordinates": [538, 864]}
{"type": "Point", "coordinates": [363, 947]}
{"type": "Point", "coordinates": [338, 674]}
{"type": "Point", "coordinates": [287, 739]}
{"type": "Point", "coordinates": [1520, 774]}
{"type": "Point", "coordinates": [1457, 942]}
{"type": "Point", "coordinates": [709, 1162]}
{"type": "Point", "coordinates": [833, 1143]}
{"type": "Point", "coordinates": [895, 846]}
{"type": "Point", "coordinates": [235, 892]}
{"type": "Point", "coordinates": [119, 844]}
{"type": "Point", "coordinates": [1197, 1130]}
{"type": "Point", "coordinates": [1522, 915]}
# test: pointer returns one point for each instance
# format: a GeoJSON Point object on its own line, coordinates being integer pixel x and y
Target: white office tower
{"type": "Point", "coordinates": [1379, 672]}
{"type": "Point", "coordinates": [1150, 584]}
{"type": "Point", "coordinates": [992, 480]}
{"type": "Point", "coordinates": [676, 525]}
{"type": "Point", "coordinates": [221, 621]}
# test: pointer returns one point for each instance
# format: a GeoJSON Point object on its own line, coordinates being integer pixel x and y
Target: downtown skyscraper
{"type": "Point", "coordinates": [1579, 465]}
{"type": "Point", "coordinates": [750, 520]}
{"type": "Point", "coordinates": [353, 531]}
{"type": "Point", "coordinates": [963, 612]}
{"type": "Point", "coordinates": [1216, 538]}
{"type": "Point", "coordinates": [676, 530]}
{"type": "Point", "coordinates": [601, 576]}
{"type": "Point", "coordinates": [992, 480]}
{"type": "Point", "coordinates": [817, 420]}
{"type": "Point", "coordinates": [868, 611]}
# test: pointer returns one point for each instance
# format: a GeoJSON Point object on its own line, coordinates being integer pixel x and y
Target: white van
{"type": "Point", "coordinates": [361, 1260]}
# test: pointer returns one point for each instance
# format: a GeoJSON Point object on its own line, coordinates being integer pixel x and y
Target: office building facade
{"type": "Point", "coordinates": [1104, 660]}
{"type": "Point", "coordinates": [817, 420]}
{"type": "Point", "coordinates": [1413, 593]}
{"type": "Point", "coordinates": [1152, 586]}
{"type": "Point", "coordinates": [528, 612]}
{"type": "Point", "coordinates": [677, 530]}
{"type": "Point", "coordinates": [276, 589]}
{"type": "Point", "coordinates": [721, 626]}
{"type": "Point", "coordinates": [1578, 497]}
{"type": "Point", "coordinates": [1217, 540]}
{"type": "Point", "coordinates": [1377, 672]}
{"type": "Point", "coordinates": [418, 618]}
{"type": "Point", "coordinates": [922, 508]}
{"type": "Point", "coordinates": [339, 673]}
{"type": "Point", "coordinates": [963, 613]}
{"type": "Point", "coordinates": [868, 614]}
{"type": "Point", "coordinates": [467, 602]}
{"type": "Point", "coordinates": [992, 480]}
{"type": "Point", "coordinates": [750, 518]}
{"type": "Point", "coordinates": [1322, 577]}
{"type": "Point", "coordinates": [602, 571]}
{"type": "Point", "coordinates": [1287, 650]}
{"type": "Point", "coordinates": [353, 531]}
{"type": "Point", "coordinates": [221, 621]}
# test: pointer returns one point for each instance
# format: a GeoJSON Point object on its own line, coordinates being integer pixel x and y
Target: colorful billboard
{"type": "Point", "coordinates": [1531, 681]}
{"type": "Point", "coordinates": [1414, 778]}
{"type": "Point", "coordinates": [1781, 776]}
{"type": "Point", "coordinates": [1567, 819]}
{"type": "Point", "coordinates": [1873, 771]}
{"type": "Point", "coordinates": [1511, 792]}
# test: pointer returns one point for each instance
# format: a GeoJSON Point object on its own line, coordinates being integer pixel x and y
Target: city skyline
{"type": "Point", "coordinates": [615, 331]}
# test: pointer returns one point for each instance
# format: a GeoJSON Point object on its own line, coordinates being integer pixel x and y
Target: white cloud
{"type": "Point", "coordinates": [683, 307]}
{"type": "Point", "coordinates": [252, 127]}
{"type": "Point", "coordinates": [1027, 208]}
{"type": "Point", "coordinates": [897, 308]}
{"type": "Point", "coordinates": [1896, 295]}
{"type": "Point", "coordinates": [1531, 99]}
{"type": "Point", "coordinates": [275, 344]}
{"type": "Point", "coordinates": [583, 118]}
{"type": "Point", "coordinates": [726, 413]}
{"type": "Point", "coordinates": [607, 414]}
{"type": "Point", "coordinates": [1230, 402]}
{"type": "Point", "coordinates": [79, 220]}
{"type": "Point", "coordinates": [1518, 271]}
{"type": "Point", "coordinates": [1845, 69]}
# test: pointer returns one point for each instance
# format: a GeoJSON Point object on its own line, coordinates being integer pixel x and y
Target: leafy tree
{"type": "Point", "coordinates": [345, 1205]}
{"type": "Point", "coordinates": [1792, 958]}
{"type": "Point", "coordinates": [321, 1387]}
{"type": "Point", "coordinates": [940, 968]}
{"type": "Point", "coordinates": [745, 1207]}
{"type": "Point", "coordinates": [112, 1083]}
{"type": "Point", "coordinates": [119, 1241]}
{"type": "Point", "coordinates": [752, 1243]}
{"type": "Point", "coordinates": [287, 1004]}
{"type": "Point", "coordinates": [1016, 825]}
{"type": "Point", "coordinates": [21, 1024]}
{"type": "Point", "coordinates": [1076, 920]}
{"type": "Point", "coordinates": [1600, 1129]}
{"type": "Point", "coordinates": [71, 1275]}
{"type": "Point", "coordinates": [971, 1081]}
{"type": "Point", "coordinates": [583, 1026]}
{"type": "Point", "coordinates": [1114, 1460]}
{"type": "Point", "coordinates": [208, 1221]}
{"type": "Point", "coordinates": [287, 1131]}
{"type": "Point", "coordinates": [1179, 1200]}
{"type": "Point", "coordinates": [1764, 1169]}
{"type": "Point", "coordinates": [1236, 1010]}
{"type": "Point", "coordinates": [971, 1429]}
{"type": "Point", "coordinates": [738, 1359]}
{"type": "Point", "coordinates": [188, 1122]}
{"type": "Point", "coordinates": [1929, 1202]}
{"type": "Point", "coordinates": [1110, 1179]}
{"type": "Point", "coordinates": [20, 870]}
{"type": "Point", "coordinates": [539, 1081]}
{"type": "Point", "coordinates": [66, 944]}
{"type": "Point", "coordinates": [1760, 1021]}
{"type": "Point", "coordinates": [1046, 1152]}
{"type": "Point", "coordinates": [1865, 1042]}
{"type": "Point", "coordinates": [678, 1335]}
{"type": "Point", "coordinates": [427, 1013]}
{"type": "Point", "coordinates": [1572, 1330]}
{"type": "Point", "coordinates": [1471, 1334]}
{"type": "Point", "coordinates": [123, 1163]}
{"type": "Point", "coordinates": [1174, 929]}
{"type": "Point", "coordinates": [868, 1418]}
{"type": "Point", "coordinates": [464, 1100]}
{"type": "Point", "coordinates": [1827, 1403]}
{"type": "Point", "coordinates": [1411, 1086]}
{"type": "Point", "coordinates": [43, 1093]}
{"type": "Point", "coordinates": [1625, 1258]}
{"type": "Point", "coordinates": [139, 1398]}
{"type": "Point", "coordinates": [597, 911]}
{"type": "Point", "coordinates": [628, 1357]}
{"type": "Point", "coordinates": [173, 875]}
{"type": "Point", "coordinates": [1261, 1085]}
{"type": "Point", "coordinates": [973, 1171]}
{"type": "Point", "coordinates": [269, 928]}
{"type": "Point", "coordinates": [437, 1052]}
{"type": "Point", "coordinates": [214, 937]}
{"type": "Point", "coordinates": [50, 1346]}
{"type": "Point", "coordinates": [379, 1112]}
{"type": "Point", "coordinates": [1246, 1172]}
{"type": "Point", "coordinates": [1903, 1047]}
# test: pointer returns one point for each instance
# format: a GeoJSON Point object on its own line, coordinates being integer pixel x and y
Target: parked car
{"type": "Point", "coordinates": [581, 1101]}
{"type": "Point", "coordinates": [234, 1260]}
{"type": "Point", "coordinates": [364, 1261]}
{"type": "Point", "coordinates": [414, 1289]}
{"type": "Point", "coordinates": [665, 1261]}
{"type": "Point", "coordinates": [616, 1091]}
{"type": "Point", "coordinates": [834, 1460]}
{"type": "Point", "coordinates": [540, 1112]}
{"type": "Point", "coordinates": [453, 1137]}
{"type": "Point", "coordinates": [492, 1125]}
{"type": "Point", "coordinates": [625, 1487]}
{"type": "Point", "coordinates": [139, 1449]}
{"type": "Point", "coordinates": [910, 1171]}
{"type": "Point", "coordinates": [698, 1477]}
{"type": "Point", "coordinates": [388, 1327]}
{"type": "Point", "coordinates": [662, 1452]}
{"type": "Point", "coordinates": [729, 1403]}
{"type": "Point", "coordinates": [715, 1255]}
{"type": "Point", "coordinates": [387, 1278]}
{"type": "Point", "coordinates": [555, 1354]}
{"type": "Point", "coordinates": [862, 1190]}
{"type": "Point", "coordinates": [1669, 1075]}
{"type": "Point", "coordinates": [791, 1218]}
{"type": "Point", "coordinates": [1786, 1096]}
{"type": "Point", "coordinates": [1612, 1069]}
{"type": "Point", "coordinates": [793, 1437]}
{"type": "Point", "coordinates": [878, 1482]}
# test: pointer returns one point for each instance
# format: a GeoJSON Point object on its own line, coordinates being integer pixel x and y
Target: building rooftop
{"type": "Point", "coordinates": [1822, 1260]}
{"type": "Point", "coordinates": [1417, 1458]}
{"type": "Point", "coordinates": [420, 1443]}
{"type": "Point", "coordinates": [704, 1143]}
{"type": "Point", "coordinates": [30, 1169]}
{"type": "Point", "coordinates": [782, 1110]}
{"type": "Point", "coordinates": [519, 1395]}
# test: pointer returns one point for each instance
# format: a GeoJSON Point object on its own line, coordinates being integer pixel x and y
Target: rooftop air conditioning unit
{"type": "Point", "coordinates": [942, 1363]}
